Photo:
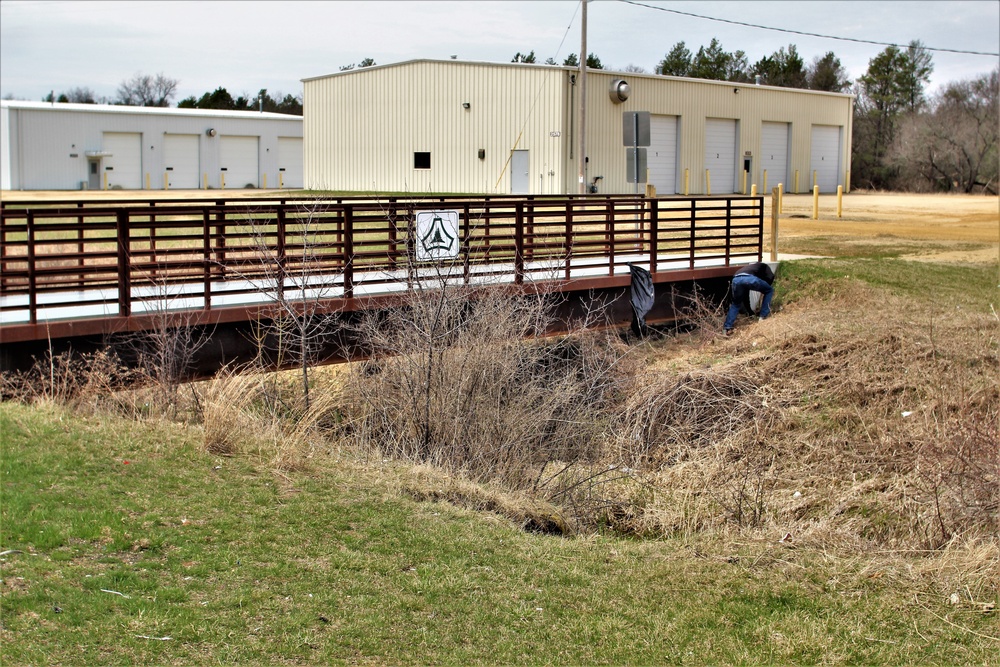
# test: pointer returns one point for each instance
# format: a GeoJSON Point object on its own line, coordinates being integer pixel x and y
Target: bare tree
{"type": "Point", "coordinates": [146, 90]}
{"type": "Point", "coordinates": [955, 145]}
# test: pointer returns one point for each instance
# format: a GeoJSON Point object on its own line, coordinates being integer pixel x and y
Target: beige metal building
{"type": "Point", "coordinates": [461, 127]}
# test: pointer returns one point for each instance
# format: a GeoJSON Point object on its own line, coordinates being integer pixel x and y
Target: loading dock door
{"type": "Point", "coordinates": [290, 162]}
{"type": "Point", "coordinates": [662, 154]}
{"type": "Point", "coordinates": [774, 154]}
{"type": "Point", "coordinates": [720, 154]}
{"type": "Point", "coordinates": [825, 157]}
{"type": "Point", "coordinates": [123, 164]}
{"type": "Point", "coordinates": [238, 161]}
{"type": "Point", "coordinates": [180, 160]}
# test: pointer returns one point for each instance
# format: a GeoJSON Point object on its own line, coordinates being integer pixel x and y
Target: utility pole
{"type": "Point", "coordinates": [582, 155]}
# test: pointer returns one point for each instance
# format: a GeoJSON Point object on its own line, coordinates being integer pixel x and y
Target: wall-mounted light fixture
{"type": "Point", "coordinates": [466, 105]}
{"type": "Point", "coordinates": [736, 91]}
{"type": "Point", "coordinates": [482, 153]}
{"type": "Point", "coordinates": [620, 90]}
{"type": "Point", "coordinates": [210, 132]}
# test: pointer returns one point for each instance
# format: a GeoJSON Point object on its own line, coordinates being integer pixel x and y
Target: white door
{"type": "Point", "coordinates": [290, 162]}
{"type": "Point", "coordinates": [238, 161]}
{"type": "Point", "coordinates": [773, 155]}
{"type": "Point", "coordinates": [123, 165]}
{"type": "Point", "coordinates": [720, 154]}
{"type": "Point", "coordinates": [825, 157]}
{"type": "Point", "coordinates": [661, 157]}
{"type": "Point", "coordinates": [180, 161]}
{"type": "Point", "coordinates": [519, 181]}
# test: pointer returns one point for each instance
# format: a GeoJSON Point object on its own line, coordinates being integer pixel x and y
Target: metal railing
{"type": "Point", "coordinates": [118, 259]}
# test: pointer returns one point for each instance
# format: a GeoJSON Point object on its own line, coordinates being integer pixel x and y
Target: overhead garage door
{"type": "Point", "coordinates": [825, 157]}
{"type": "Point", "coordinates": [123, 165]}
{"type": "Point", "coordinates": [180, 160]}
{"type": "Point", "coordinates": [720, 154]}
{"type": "Point", "coordinates": [238, 161]}
{"type": "Point", "coordinates": [290, 162]}
{"type": "Point", "coordinates": [773, 154]}
{"type": "Point", "coordinates": [662, 155]}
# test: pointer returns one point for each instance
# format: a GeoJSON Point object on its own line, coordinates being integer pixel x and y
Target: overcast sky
{"type": "Point", "coordinates": [248, 45]}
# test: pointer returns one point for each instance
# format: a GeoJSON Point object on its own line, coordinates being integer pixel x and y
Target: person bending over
{"type": "Point", "coordinates": [757, 277]}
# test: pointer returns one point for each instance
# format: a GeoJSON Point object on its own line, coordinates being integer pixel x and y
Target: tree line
{"type": "Point", "coordinates": [159, 90]}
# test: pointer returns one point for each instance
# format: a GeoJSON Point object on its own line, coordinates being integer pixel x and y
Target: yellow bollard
{"type": "Point", "coordinates": [781, 198]}
{"type": "Point", "coordinates": [763, 183]}
{"type": "Point", "coordinates": [105, 180]}
{"type": "Point", "coordinates": [281, 179]}
{"type": "Point", "coordinates": [222, 179]}
{"type": "Point", "coordinates": [708, 183]}
{"type": "Point", "coordinates": [147, 180]}
{"type": "Point", "coordinates": [753, 190]}
{"type": "Point", "coordinates": [796, 190]}
{"type": "Point", "coordinates": [815, 202]}
{"type": "Point", "coordinates": [166, 181]}
{"type": "Point", "coordinates": [847, 181]}
{"type": "Point", "coordinates": [687, 181]}
{"type": "Point", "coordinates": [744, 188]}
{"type": "Point", "coordinates": [204, 180]}
{"type": "Point", "coordinates": [265, 182]}
{"type": "Point", "coordinates": [815, 178]}
{"type": "Point", "coordinates": [840, 201]}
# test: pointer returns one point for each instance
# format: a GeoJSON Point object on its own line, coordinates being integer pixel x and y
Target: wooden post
{"type": "Point", "coordinates": [775, 207]}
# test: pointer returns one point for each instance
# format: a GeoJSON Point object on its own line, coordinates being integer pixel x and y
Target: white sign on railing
{"type": "Point", "coordinates": [437, 235]}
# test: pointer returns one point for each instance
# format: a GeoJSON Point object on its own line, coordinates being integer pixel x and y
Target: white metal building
{"type": "Point", "coordinates": [452, 126]}
{"type": "Point", "coordinates": [45, 146]}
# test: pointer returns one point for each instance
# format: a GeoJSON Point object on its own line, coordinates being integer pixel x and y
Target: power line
{"type": "Point", "coordinates": [800, 32]}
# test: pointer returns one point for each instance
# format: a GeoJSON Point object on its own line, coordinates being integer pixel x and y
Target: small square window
{"type": "Point", "coordinates": [421, 160]}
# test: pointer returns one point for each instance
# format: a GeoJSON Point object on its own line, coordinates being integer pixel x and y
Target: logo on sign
{"type": "Point", "coordinates": [437, 235]}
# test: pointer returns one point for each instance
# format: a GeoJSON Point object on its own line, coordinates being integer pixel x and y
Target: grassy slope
{"type": "Point", "coordinates": [239, 565]}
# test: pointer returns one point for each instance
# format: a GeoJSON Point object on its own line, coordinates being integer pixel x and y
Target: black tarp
{"type": "Point", "coordinates": [642, 298]}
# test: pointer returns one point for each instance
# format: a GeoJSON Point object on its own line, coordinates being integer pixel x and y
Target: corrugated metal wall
{"type": "Point", "coordinates": [695, 101]}
{"type": "Point", "coordinates": [45, 146]}
{"type": "Point", "coordinates": [362, 127]}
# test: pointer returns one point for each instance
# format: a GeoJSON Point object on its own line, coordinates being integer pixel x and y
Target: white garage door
{"type": "Point", "coordinates": [290, 162]}
{"type": "Point", "coordinates": [662, 156]}
{"type": "Point", "coordinates": [720, 154]}
{"type": "Point", "coordinates": [773, 154]}
{"type": "Point", "coordinates": [180, 160]}
{"type": "Point", "coordinates": [238, 161]}
{"type": "Point", "coordinates": [123, 166]}
{"type": "Point", "coordinates": [825, 157]}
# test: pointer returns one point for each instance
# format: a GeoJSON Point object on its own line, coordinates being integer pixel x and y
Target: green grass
{"type": "Point", "coordinates": [969, 286]}
{"type": "Point", "coordinates": [237, 564]}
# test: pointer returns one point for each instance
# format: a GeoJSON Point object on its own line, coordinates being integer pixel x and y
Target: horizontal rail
{"type": "Point", "coordinates": [119, 259]}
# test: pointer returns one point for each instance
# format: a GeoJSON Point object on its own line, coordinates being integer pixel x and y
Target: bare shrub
{"type": "Point", "coordinates": [69, 379]}
{"type": "Point", "coordinates": [958, 472]}
{"type": "Point", "coordinates": [456, 380]}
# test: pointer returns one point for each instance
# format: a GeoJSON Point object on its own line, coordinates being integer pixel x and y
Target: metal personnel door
{"type": "Point", "coordinates": [94, 174]}
{"type": "Point", "coordinates": [519, 181]}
